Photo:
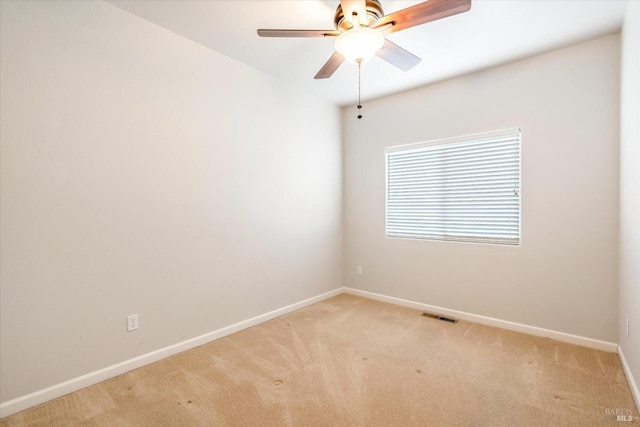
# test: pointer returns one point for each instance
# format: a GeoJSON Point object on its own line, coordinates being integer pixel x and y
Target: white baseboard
{"type": "Point", "coordinates": [490, 321]}
{"type": "Point", "coordinates": [632, 382]}
{"type": "Point", "coordinates": [24, 402]}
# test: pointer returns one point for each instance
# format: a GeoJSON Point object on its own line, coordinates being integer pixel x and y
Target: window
{"type": "Point", "coordinates": [463, 189]}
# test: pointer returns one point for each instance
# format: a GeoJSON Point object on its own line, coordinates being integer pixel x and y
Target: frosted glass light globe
{"type": "Point", "coordinates": [359, 45]}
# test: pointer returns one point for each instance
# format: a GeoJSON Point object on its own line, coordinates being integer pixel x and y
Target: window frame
{"type": "Point", "coordinates": [514, 133]}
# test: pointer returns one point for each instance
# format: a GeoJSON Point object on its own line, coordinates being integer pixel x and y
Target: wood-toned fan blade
{"type": "Point", "coordinates": [298, 33]}
{"type": "Point", "coordinates": [397, 56]}
{"type": "Point", "coordinates": [330, 67]}
{"type": "Point", "coordinates": [357, 6]}
{"type": "Point", "coordinates": [423, 12]}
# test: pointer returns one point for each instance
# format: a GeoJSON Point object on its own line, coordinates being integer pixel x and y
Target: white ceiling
{"type": "Point", "coordinates": [491, 33]}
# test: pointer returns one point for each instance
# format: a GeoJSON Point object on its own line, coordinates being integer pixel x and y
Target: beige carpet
{"type": "Point", "coordinates": [350, 361]}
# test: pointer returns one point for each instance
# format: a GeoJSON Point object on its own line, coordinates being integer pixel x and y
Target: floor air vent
{"type": "Point", "coordinates": [437, 316]}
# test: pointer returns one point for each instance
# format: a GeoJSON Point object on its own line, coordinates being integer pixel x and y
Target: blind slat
{"type": "Point", "coordinates": [465, 189]}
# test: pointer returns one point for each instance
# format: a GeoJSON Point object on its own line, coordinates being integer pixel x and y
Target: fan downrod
{"type": "Point", "coordinates": [374, 12]}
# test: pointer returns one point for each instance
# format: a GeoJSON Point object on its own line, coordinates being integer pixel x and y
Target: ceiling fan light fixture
{"type": "Point", "coordinates": [358, 45]}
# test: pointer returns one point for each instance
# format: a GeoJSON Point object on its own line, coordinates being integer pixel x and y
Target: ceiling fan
{"type": "Point", "coordinates": [359, 28]}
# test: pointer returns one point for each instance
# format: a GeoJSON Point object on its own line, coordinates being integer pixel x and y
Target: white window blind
{"type": "Point", "coordinates": [463, 189]}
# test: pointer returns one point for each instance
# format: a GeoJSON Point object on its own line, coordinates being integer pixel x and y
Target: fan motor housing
{"type": "Point", "coordinates": [374, 12]}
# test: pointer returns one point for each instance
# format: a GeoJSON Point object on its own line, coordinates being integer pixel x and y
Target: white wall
{"type": "Point", "coordinates": [630, 193]}
{"type": "Point", "coordinates": [143, 173]}
{"type": "Point", "coordinates": [564, 275]}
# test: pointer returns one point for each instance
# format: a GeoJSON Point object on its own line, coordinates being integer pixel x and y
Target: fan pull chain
{"type": "Point", "coordinates": [359, 104]}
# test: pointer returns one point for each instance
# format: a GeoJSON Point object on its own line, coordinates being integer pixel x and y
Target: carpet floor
{"type": "Point", "coordinates": [351, 361]}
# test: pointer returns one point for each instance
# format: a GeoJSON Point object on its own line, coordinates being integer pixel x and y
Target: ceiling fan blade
{"type": "Point", "coordinates": [397, 56]}
{"type": "Point", "coordinates": [330, 67]}
{"type": "Point", "coordinates": [357, 6]}
{"type": "Point", "coordinates": [422, 13]}
{"type": "Point", "coordinates": [298, 33]}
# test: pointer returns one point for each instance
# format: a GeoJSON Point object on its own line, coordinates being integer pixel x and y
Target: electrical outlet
{"type": "Point", "coordinates": [359, 270]}
{"type": "Point", "coordinates": [132, 322]}
{"type": "Point", "coordinates": [627, 327]}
